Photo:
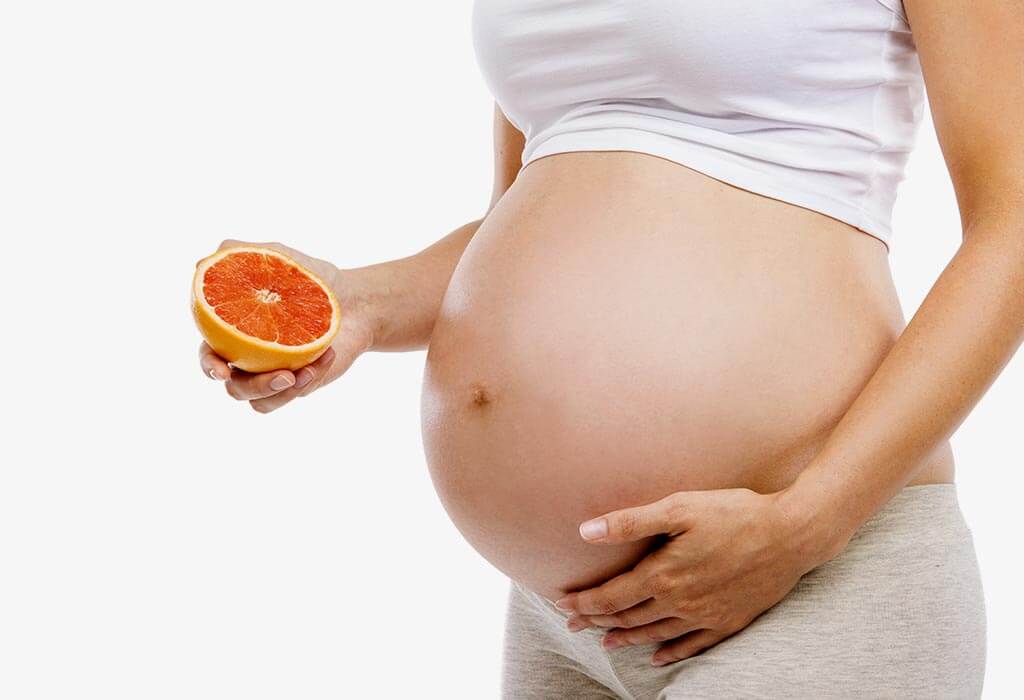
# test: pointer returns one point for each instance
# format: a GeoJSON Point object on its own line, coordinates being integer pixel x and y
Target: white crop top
{"type": "Point", "coordinates": [813, 102]}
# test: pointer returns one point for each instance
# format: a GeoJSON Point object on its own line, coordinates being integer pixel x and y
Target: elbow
{"type": "Point", "coordinates": [992, 204]}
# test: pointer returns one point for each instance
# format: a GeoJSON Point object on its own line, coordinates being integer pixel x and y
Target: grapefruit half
{"type": "Point", "coordinates": [262, 311]}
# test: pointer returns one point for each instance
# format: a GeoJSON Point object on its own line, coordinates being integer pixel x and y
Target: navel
{"type": "Point", "coordinates": [480, 396]}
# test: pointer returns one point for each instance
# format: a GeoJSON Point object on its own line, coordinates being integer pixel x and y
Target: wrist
{"type": "Point", "coordinates": [361, 296]}
{"type": "Point", "coordinates": [399, 301]}
{"type": "Point", "coordinates": [384, 302]}
{"type": "Point", "coordinates": [816, 530]}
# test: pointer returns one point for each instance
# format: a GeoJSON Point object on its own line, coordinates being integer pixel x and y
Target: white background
{"type": "Point", "coordinates": [157, 539]}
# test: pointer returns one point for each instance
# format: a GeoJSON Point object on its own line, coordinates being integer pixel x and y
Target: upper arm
{"type": "Point", "coordinates": [972, 58]}
{"type": "Point", "coordinates": [508, 153]}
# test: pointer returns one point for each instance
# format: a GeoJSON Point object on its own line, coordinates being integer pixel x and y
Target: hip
{"type": "Point", "coordinates": [899, 613]}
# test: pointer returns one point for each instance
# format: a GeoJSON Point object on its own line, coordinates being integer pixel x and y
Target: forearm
{"type": "Point", "coordinates": [964, 333]}
{"type": "Point", "coordinates": [402, 297]}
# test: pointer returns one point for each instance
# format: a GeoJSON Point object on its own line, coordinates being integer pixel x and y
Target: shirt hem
{"type": "Point", "coordinates": [685, 154]}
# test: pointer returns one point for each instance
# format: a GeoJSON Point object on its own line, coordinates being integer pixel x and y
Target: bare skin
{"type": "Point", "coordinates": [621, 328]}
{"type": "Point", "coordinates": [611, 338]}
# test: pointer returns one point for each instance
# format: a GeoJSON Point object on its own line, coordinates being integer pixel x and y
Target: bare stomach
{"type": "Point", "coordinates": [622, 327]}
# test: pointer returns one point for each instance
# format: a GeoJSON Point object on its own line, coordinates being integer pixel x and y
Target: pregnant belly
{"type": "Point", "coordinates": [621, 328]}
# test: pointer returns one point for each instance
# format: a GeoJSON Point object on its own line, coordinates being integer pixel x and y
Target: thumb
{"type": "Point", "coordinates": [667, 516]}
{"type": "Point", "coordinates": [279, 247]}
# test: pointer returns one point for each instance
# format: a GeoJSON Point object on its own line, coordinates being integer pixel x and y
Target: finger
{"type": "Point", "coordinates": [637, 616]}
{"type": "Point", "coordinates": [667, 516]}
{"type": "Point", "coordinates": [307, 380]}
{"type": "Point", "coordinates": [246, 387]}
{"type": "Point", "coordinates": [577, 623]}
{"type": "Point", "coordinates": [231, 243]}
{"type": "Point", "coordinates": [653, 633]}
{"type": "Point", "coordinates": [313, 376]}
{"type": "Point", "coordinates": [213, 365]}
{"type": "Point", "coordinates": [686, 646]}
{"type": "Point", "coordinates": [623, 591]}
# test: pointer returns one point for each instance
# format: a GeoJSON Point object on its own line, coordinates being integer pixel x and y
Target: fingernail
{"type": "Point", "coordinates": [575, 625]}
{"type": "Point", "coordinates": [281, 382]}
{"type": "Point", "coordinates": [303, 378]}
{"type": "Point", "coordinates": [610, 643]}
{"type": "Point", "coordinates": [213, 374]}
{"type": "Point", "coordinates": [658, 662]}
{"type": "Point", "coordinates": [563, 604]}
{"type": "Point", "coordinates": [594, 529]}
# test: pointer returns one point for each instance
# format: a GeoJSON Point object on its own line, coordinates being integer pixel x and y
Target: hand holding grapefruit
{"type": "Point", "coordinates": [261, 310]}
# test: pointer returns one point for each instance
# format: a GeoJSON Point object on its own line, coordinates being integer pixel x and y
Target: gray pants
{"type": "Point", "coordinates": [899, 614]}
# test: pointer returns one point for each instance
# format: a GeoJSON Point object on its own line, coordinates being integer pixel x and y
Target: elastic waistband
{"type": "Point", "coordinates": [915, 507]}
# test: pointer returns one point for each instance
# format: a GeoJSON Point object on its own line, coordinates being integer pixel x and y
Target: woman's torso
{"type": "Point", "coordinates": [622, 327]}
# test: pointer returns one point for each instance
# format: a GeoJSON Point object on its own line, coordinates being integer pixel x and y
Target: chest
{"type": "Point", "coordinates": [535, 53]}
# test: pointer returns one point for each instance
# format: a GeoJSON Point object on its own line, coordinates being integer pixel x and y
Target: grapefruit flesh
{"type": "Point", "coordinates": [262, 311]}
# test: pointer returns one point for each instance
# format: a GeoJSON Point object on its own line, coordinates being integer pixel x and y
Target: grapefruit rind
{"type": "Point", "coordinates": [247, 352]}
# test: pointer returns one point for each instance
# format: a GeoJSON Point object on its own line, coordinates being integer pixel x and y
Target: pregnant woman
{"type": "Point", "coordinates": [670, 390]}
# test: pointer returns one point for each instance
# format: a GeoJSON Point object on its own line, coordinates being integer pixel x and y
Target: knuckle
{"type": "Point", "coordinates": [631, 637]}
{"type": "Point", "coordinates": [305, 380]}
{"type": "Point", "coordinates": [685, 585]}
{"type": "Point", "coordinates": [627, 618]}
{"type": "Point", "coordinates": [662, 584]}
{"type": "Point", "coordinates": [682, 610]}
{"type": "Point", "coordinates": [668, 657]}
{"type": "Point", "coordinates": [602, 604]}
{"type": "Point", "coordinates": [687, 608]}
{"type": "Point", "coordinates": [650, 634]}
{"type": "Point", "coordinates": [683, 651]}
{"type": "Point", "coordinates": [730, 621]}
{"type": "Point", "coordinates": [711, 615]}
{"type": "Point", "coordinates": [715, 617]}
{"type": "Point", "coordinates": [676, 506]}
{"type": "Point", "coordinates": [628, 523]}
